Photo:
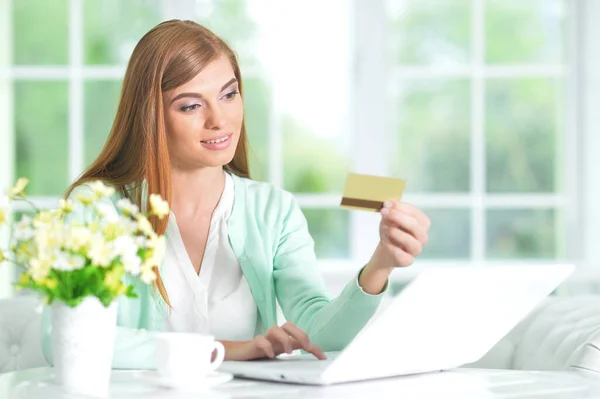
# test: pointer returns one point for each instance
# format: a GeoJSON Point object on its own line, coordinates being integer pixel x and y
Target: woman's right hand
{"type": "Point", "coordinates": [276, 341]}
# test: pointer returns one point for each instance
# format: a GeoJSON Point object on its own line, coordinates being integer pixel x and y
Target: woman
{"type": "Point", "coordinates": [235, 247]}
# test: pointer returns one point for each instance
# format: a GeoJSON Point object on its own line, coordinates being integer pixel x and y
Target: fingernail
{"type": "Point", "coordinates": [387, 204]}
{"type": "Point", "coordinates": [385, 211]}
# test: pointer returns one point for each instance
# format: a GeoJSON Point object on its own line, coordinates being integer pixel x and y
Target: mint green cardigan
{"type": "Point", "coordinates": [269, 236]}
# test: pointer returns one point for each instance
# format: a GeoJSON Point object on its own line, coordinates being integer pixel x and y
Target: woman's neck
{"type": "Point", "coordinates": [196, 192]}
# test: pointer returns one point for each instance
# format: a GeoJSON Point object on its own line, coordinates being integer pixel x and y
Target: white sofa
{"type": "Point", "coordinates": [562, 334]}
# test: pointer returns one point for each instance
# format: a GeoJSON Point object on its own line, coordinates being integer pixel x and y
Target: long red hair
{"type": "Point", "coordinates": [169, 55]}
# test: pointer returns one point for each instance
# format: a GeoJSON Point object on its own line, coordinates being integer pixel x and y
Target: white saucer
{"type": "Point", "coordinates": [211, 380]}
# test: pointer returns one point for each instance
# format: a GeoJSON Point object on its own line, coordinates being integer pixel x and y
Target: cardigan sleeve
{"type": "Point", "coordinates": [330, 323]}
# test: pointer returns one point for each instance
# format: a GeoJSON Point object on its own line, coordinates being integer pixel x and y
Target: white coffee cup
{"type": "Point", "coordinates": [186, 357]}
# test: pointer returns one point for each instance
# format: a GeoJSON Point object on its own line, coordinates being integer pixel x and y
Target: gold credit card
{"type": "Point", "coordinates": [368, 193]}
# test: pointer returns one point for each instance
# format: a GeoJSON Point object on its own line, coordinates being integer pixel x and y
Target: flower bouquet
{"type": "Point", "coordinates": [81, 257]}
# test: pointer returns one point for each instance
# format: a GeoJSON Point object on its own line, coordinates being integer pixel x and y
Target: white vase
{"type": "Point", "coordinates": [82, 343]}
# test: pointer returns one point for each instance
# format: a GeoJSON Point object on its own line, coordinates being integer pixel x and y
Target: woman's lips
{"type": "Point", "coordinates": [220, 143]}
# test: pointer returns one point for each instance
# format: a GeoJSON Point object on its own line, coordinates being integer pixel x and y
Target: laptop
{"type": "Point", "coordinates": [446, 318]}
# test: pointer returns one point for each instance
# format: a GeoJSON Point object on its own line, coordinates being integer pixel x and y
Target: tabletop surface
{"type": "Point", "coordinates": [461, 383]}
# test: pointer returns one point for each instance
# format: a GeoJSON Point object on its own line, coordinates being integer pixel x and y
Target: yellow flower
{"type": "Point", "coordinates": [156, 253]}
{"type": "Point", "coordinates": [159, 207]}
{"type": "Point", "coordinates": [112, 231]}
{"type": "Point", "coordinates": [23, 230]}
{"type": "Point", "coordinates": [100, 251]}
{"type": "Point", "coordinates": [77, 238]}
{"type": "Point", "coordinates": [24, 279]}
{"type": "Point", "coordinates": [23, 252]}
{"type": "Point", "coordinates": [145, 227]}
{"type": "Point", "coordinates": [127, 207]}
{"type": "Point", "coordinates": [121, 290]}
{"type": "Point", "coordinates": [47, 240]}
{"type": "Point", "coordinates": [101, 189]}
{"type": "Point", "coordinates": [112, 279]}
{"type": "Point", "coordinates": [4, 209]}
{"type": "Point", "coordinates": [39, 269]}
{"type": "Point", "coordinates": [148, 275]}
{"type": "Point", "coordinates": [2, 257]}
{"type": "Point", "coordinates": [85, 198]}
{"type": "Point", "coordinates": [44, 218]}
{"type": "Point", "coordinates": [18, 190]}
{"type": "Point", "coordinates": [66, 206]}
{"type": "Point", "coordinates": [50, 283]}
{"type": "Point", "coordinates": [94, 226]}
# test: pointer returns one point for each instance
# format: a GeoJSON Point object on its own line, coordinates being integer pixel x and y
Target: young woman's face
{"type": "Point", "coordinates": [204, 118]}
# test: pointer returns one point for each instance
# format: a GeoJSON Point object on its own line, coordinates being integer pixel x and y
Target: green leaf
{"type": "Point", "coordinates": [130, 293]}
{"type": "Point", "coordinates": [106, 300]}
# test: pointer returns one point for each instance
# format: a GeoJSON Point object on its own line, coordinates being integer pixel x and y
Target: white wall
{"type": "Point", "coordinates": [7, 142]}
{"type": "Point", "coordinates": [588, 119]}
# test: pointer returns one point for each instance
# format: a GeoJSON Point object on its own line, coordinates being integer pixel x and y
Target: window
{"type": "Point", "coordinates": [466, 99]}
{"type": "Point", "coordinates": [62, 87]}
{"type": "Point", "coordinates": [66, 75]}
{"type": "Point", "coordinates": [479, 123]}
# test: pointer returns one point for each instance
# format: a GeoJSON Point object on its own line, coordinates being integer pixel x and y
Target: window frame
{"type": "Point", "coordinates": [7, 142]}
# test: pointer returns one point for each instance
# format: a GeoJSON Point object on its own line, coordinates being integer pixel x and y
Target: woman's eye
{"type": "Point", "coordinates": [189, 108]}
{"type": "Point", "coordinates": [231, 95]}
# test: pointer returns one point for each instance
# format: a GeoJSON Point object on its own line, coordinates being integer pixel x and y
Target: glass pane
{"type": "Point", "coordinates": [330, 231]}
{"type": "Point", "coordinates": [524, 121]}
{"type": "Point", "coordinates": [523, 234]}
{"type": "Point", "coordinates": [313, 97]}
{"type": "Point", "coordinates": [41, 110]}
{"type": "Point", "coordinates": [101, 101]}
{"type": "Point", "coordinates": [449, 235]}
{"type": "Point", "coordinates": [234, 21]}
{"type": "Point", "coordinates": [256, 110]}
{"type": "Point", "coordinates": [313, 162]}
{"type": "Point", "coordinates": [112, 28]}
{"type": "Point", "coordinates": [525, 31]}
{"type": "Point", "coordinates": [433, 135]}
{"type": "Point", "coordinates": [40, 32]}
{"type": "Point", "coordinates": [430, 32]}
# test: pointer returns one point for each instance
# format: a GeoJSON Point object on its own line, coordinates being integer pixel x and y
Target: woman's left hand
{"type": "Point", "coordinates": [403, 231]}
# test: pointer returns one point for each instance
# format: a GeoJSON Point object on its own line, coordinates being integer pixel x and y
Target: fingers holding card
{"type": "Point", "coordinates": [403, 227]}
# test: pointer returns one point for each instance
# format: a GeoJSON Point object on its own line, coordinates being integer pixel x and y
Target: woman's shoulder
{"type": "Point", "coordinates": [264, 195]}
{"type": "Point", "coordinates": [269, 207]}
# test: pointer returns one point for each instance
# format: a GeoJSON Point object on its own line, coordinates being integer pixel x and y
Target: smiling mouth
{"type": "Point", "coordinates": [219, 140]}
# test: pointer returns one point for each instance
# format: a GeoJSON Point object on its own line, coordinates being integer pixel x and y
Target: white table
{"type": "Point", "coordinates": [463, 383]}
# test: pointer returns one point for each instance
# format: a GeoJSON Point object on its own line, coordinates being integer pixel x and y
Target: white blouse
{"type": "Point", "coordinates": [218, 301]}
